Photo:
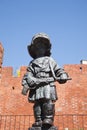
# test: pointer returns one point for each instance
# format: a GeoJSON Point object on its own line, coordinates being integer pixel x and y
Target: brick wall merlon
{"type": "Point", "coordinates": [7, 72]}
{"type": "Point", "coordinates": [23, 70]}
{"type": "Point", "coordinates": [76, 68]}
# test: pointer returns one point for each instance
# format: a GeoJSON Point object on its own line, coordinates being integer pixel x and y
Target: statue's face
{"type": "Point", "coordinates": [40, 49]}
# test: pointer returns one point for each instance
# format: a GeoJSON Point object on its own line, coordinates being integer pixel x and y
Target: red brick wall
{"type": "Point", "coordinates": [72, 95]}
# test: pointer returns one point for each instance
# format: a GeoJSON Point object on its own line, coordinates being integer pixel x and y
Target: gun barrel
{"type": "Point", "coordinates": [66, 79]}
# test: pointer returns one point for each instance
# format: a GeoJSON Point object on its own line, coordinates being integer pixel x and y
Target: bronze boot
{"type": "Point", "coordinates": [48, 110]}
{"type": "Point", "coordinates": [37, 115]}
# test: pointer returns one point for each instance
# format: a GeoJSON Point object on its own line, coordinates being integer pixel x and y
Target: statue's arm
{"type": "Point", "coordinates": [25, 85]}
{"type": "Point", "coordinates": [58, 73]}
{"type": "Point", "coordinates": [62, 76]}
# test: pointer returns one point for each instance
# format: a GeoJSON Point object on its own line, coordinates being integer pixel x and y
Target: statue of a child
{"type": "Point", "coordinates": [39, 80]}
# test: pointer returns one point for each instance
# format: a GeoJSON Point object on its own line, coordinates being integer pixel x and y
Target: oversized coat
{"type": "Point", "coordinates": [41, 68]}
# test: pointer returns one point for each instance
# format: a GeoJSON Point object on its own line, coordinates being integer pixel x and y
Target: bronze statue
{"type": "Point", "coordinates": [39, 80]}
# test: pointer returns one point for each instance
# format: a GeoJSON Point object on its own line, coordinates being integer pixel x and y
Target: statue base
{"type": "Point", "coordinates": [44, 128]}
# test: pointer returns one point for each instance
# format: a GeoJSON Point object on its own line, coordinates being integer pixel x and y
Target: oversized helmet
{"type": "Point", "coordinates": [39, 40]}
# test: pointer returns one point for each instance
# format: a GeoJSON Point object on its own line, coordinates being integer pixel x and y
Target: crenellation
{"type": "Point", "coordinates": [7, 72]}
{"type": "Point", "coordinates": [72, 96]}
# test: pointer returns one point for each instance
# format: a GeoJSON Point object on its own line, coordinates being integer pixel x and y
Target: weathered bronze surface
{"type": "Point", "coordinates": [39, 80]}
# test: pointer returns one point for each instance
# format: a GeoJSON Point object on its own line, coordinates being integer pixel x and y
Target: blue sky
{"type": "Point", "coordinates": [65, 21]}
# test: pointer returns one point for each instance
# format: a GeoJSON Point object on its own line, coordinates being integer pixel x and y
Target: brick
{"type": "Point", "coordinates": [72, 96]}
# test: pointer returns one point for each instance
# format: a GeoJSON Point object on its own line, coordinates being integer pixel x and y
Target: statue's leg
{"type": "Point", "coordinates": [37, 114]}
{"type": "Point", "coordinates": [48, 111]}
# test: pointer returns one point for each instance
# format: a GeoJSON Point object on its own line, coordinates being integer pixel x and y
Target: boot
{"type": "Point", "coordinates": [37, 115]}
{"type": "Point", "coordinates": [48, 111]}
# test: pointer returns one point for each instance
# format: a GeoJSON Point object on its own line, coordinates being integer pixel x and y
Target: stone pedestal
{"type": "Point", "coordinates": [44, 128]}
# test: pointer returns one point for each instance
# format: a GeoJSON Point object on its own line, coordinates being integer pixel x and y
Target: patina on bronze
{"type": "Point", "coordinates": [39, 80]}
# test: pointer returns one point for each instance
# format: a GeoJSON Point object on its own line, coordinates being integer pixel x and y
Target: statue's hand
{"type": "Point", "coordinates": [63, 78]}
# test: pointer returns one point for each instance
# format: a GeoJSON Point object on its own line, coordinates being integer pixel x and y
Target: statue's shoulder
{"type": "Point", "coordinates": [30, 66]}
{"type": "Point", "coordinates": [52, 60]}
